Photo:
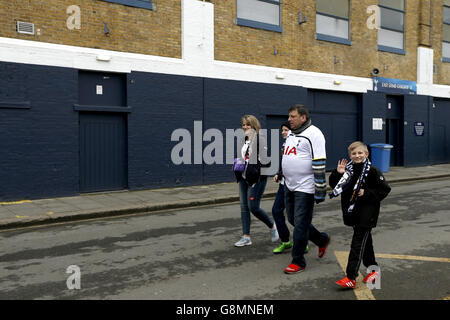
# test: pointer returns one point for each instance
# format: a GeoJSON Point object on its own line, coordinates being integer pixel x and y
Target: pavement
{"type": "Point", "coordinates": [25, 213]}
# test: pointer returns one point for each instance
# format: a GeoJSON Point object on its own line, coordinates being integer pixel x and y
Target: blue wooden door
{"type": "Point", "coordinates": [103, 151]}
{"type": "Point", "coordinates": [103, 135]}
{"type": "Point", "coordinates": [337, 115]}
{"type": "Point", "coordinates": [440, 131]}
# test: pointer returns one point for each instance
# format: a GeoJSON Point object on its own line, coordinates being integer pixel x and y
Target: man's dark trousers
{"type": "Point", "coordinates": [299, 210]}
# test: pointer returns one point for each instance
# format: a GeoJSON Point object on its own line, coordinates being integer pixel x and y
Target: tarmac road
{"type": "Point", "coordinates": [189, 254]}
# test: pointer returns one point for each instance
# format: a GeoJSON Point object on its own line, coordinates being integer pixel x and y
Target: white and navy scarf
{"type": "Point", "coordinates": [343, 182]}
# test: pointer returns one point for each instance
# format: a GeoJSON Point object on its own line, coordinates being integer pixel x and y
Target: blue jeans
{"type": "Point", "coordinates": [250, 198]}
{"type": "Point", "coordinates": [299, 209]}
{"type": "Point", "coordinates": [278, 215]}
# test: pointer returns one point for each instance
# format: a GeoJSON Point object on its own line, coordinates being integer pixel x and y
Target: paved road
{"type": "Point", "coordinates": [190, 255]}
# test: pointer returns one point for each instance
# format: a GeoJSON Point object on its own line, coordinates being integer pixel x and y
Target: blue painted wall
{"type": "Point", "coordinates": [415, 148]}
{"type": "Point", "coordinates": [39, 145]}
{"type": "Point", "coordinates": [338, 115]}
{"type": "Point", "coordinates": [39, 129]}
{"type": "Point", "coordinates": [161, 103]}
{"type": "Point", "coordinates": [374, 106]}
{"type": "Point", "coordinates": [227, 101]}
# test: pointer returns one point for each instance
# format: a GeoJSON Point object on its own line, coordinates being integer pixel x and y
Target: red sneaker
{"type": "Point", "coordinates": [371, 277]}
{"type": "Point", "coordinates": [293, 268]}
{"type": "Point", "coordinates": [346, 283]}
{"type": "Point", "coordinates": [323, 249]}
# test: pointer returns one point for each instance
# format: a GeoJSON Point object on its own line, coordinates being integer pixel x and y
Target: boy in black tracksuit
{"type": "Point", "coordinates": [362, 187]}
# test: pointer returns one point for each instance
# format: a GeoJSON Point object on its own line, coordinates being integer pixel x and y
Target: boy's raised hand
{"type": "Point", "coordinates": [341, 165]}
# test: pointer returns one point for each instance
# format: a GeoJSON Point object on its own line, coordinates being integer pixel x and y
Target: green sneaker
{"type": "Point", "coordinates": [307, 249]}
{"type": "Point", "coordinates": [282, 247]}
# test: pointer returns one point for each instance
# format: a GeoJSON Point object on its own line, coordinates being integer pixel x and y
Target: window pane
{"type": "Point", "coordinates": [447, 15]}
{"type": "Point", "coordinates": [390, 39]}
{"type": "Point", "coordinates": [446, 34]}
{"type": "Point", "coordinates": [331, 26]}
{"type": "Point", "coordinates": [391, 19]}
{"type": "Point", "coordinates": [446, 50]}
{"type": "Point", "coordinates": [258, 11]}
{"type": "Point", "coordinates": [396, 4]}
{"type": "Point", "coordinates": [334, 7]}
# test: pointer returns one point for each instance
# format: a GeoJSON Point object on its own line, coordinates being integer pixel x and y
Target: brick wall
{"type": "Point", "coordinates": [297, 48]}
{"type": "Point", "coordinates": [137, 30]}
{"type": "Point", "coordinates": [442, 74]}
{"type": "Point", "coordinates": [158, 32]}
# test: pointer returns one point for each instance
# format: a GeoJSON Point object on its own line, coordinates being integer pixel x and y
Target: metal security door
{"type": "Point", "coordinates": [103, 160]}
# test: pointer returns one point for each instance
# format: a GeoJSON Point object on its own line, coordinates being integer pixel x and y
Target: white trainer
{"type": "Point", "coordinates": [245, 241]}
{"type": "Point", "coordinates": [274, 234]}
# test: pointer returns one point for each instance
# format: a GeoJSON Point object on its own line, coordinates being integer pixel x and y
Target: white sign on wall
{"type": "Point", "coordinates": [99, 89]}
{"type": "Point", "coordinates": [377, 124]}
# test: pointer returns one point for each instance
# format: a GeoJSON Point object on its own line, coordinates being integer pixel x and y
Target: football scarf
{"type": "Point", "coordinates": [346, 177]}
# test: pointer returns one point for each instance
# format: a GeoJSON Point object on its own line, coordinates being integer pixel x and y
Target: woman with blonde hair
{"type": "Point", "coordinates": [251, 183]}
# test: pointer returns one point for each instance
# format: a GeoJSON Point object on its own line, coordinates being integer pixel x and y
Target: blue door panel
{"type": "Point", "coordinates": [103, 159]}
{"type": "Point", "coordinates": [102, 89]}
{"type": "Point", "coordinates": [440, 131]}
{"type": "Point", "coordinates": [337, 115]}
{"type": "Point", "coordinates": [415, 149]}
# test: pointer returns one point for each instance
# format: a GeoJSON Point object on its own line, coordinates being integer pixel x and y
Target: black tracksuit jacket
{"type": "Point", "coordinates": [367, 208]}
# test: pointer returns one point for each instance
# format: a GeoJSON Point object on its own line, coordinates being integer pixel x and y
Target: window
{"type": "Point", "coordinates": [262, 14]}
{"type": "Point", "coordinates": [446, 32]}
{"type": "Point", "coordinates": [146, 4]}
{"type": "Point", "coordinates": [332, 21]}
{"type": "Point", "coordinates": [391, 34]}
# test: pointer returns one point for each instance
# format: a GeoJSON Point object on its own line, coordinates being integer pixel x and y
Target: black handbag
{"type": "Point", "coordinates": [253, 170]}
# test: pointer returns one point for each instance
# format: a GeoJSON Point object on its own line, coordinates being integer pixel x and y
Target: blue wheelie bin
{"type": "Point", "coordinates": [381, 155]}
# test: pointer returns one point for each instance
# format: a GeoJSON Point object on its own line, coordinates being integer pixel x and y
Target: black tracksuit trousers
{"type": "Point", "coordinates": [361, 249]}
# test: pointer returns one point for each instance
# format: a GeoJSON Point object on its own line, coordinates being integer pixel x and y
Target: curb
{"type": "Point", "coordinates": [182, 204]}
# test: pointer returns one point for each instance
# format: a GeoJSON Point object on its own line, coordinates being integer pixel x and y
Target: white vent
{"type": "Point", "coordinates": [25, 27]}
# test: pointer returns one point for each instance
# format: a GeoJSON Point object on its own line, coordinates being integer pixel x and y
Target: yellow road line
{"type": "Point", "coordinates": [14, 202]}
{"type": "Point", "coordinates": [362, 292]}
{"type": "Point", "coordinates": [407, 257]}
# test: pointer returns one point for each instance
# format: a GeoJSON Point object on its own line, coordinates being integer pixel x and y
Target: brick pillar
{"type": "Point", "coordinates": [425, 23]}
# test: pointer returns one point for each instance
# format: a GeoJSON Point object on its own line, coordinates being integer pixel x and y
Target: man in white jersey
{"type": "Point", "coordinates": [303, 168]}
